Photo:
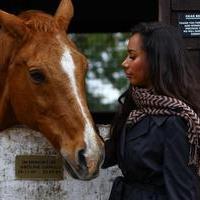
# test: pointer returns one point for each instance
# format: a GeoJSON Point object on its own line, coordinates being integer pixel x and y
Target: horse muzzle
{"type": "Point", "coordinates": [84, 167]}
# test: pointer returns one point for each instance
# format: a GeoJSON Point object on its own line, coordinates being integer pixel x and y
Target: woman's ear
{"type": "Point", "coordinates": [13, 24]}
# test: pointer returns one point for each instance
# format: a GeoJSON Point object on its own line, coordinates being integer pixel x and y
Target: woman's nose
{"type": "Point", "coordinates": [124, 63]}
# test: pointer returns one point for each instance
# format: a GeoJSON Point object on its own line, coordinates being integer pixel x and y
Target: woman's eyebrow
{"type": "Point", "coordinates": [134, 50]}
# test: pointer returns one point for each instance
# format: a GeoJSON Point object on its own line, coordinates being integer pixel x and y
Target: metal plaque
{"type": "Point", "coordinates": [38, 167]}
{"type": "Point", "coordinates": [189, 24]}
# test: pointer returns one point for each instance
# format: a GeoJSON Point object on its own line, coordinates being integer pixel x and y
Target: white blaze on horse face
{"type": "Point", "coordinates": [68, 66]}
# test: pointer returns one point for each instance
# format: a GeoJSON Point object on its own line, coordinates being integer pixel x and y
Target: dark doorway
{"type": "Point", "coordinates": [94, 15]}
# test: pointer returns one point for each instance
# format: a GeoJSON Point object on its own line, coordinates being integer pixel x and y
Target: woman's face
{"type": "Point", "coordinates": [136, 64]}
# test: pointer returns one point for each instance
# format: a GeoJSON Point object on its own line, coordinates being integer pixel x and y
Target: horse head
{"type": "Point", "coordinates": [42, 85]}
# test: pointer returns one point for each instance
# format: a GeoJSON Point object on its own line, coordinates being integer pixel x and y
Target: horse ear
{"type": "Point", "coordinates": [13, 24]}
{"type": "Point", "coordinates": [64, 13]}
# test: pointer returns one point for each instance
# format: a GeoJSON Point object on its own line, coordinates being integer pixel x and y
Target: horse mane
{"type": "Point", "coordinates": [38, 21]}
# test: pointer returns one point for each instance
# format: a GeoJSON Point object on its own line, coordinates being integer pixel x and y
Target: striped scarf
{"type": "Point", "coordinates": [149, 103]}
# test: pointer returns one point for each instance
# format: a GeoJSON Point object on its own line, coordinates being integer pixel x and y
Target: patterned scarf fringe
{"type": "Point", "coordinates": [149, 103]}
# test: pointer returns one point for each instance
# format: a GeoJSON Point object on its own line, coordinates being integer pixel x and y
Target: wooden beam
{"type": "Point", "coordinates": [164, 11]}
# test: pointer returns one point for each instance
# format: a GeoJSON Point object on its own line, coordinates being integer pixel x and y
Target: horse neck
{"type": "Point", "coordinates": [7, 46]}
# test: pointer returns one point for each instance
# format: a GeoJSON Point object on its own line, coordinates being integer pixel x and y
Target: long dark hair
{"type": "Point", "coordinates": [171, 72]}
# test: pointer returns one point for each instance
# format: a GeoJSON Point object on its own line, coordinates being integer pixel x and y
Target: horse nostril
{"type": "Point", "coordinates": [81, 158]}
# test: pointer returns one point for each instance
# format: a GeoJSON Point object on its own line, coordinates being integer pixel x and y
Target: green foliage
{"type": "Point", "coordinates": [105, 53]}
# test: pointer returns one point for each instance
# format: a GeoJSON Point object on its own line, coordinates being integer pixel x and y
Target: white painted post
{"type": "Point", "coordinates": [22, 141]}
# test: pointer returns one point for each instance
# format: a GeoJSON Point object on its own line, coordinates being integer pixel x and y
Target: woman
{"type": "Point", "coordinates": [155, 137]}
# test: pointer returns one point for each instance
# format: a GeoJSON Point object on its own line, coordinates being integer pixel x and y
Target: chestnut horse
{"type": "Point", "coordinates": [42, 86]}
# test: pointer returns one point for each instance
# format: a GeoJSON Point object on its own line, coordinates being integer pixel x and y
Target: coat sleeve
{"type": "Point", "coordinates": [110, 154]}
{"type": "Point", "coordinates": [180, 179]}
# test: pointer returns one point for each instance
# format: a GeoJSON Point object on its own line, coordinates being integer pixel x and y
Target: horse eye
{"type": "Point", "coordinates": [37, 76]}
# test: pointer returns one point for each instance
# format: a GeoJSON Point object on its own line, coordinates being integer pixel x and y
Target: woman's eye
{"type": "Point", "coordinates": [37, 76]}
{"type": "Point", "coordinates": [132, 57]}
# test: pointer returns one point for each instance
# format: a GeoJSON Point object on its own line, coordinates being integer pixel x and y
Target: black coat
{"type": "Point", "coordinates": [153, 157]}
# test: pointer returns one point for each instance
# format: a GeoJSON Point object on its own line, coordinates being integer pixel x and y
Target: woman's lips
{"type": "Point", "coordinates": [128, 76]}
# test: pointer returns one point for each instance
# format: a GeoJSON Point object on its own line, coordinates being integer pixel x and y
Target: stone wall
{"type": "Point", "coordinates": [22, 141]}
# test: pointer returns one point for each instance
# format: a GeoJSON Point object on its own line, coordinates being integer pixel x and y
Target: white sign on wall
{"type": "Point", "coordinates": [189, 24]}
